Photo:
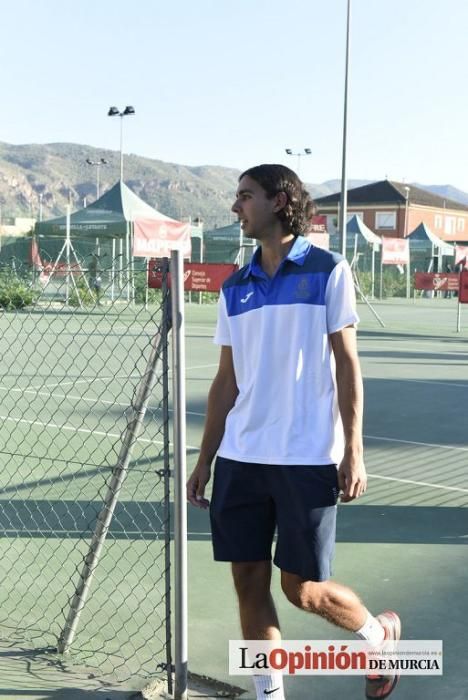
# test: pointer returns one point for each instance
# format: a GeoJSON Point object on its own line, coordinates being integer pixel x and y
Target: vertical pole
{"type": "Point", "coordinates": [127, 253]}
{"type": "Point", "coordinates": [180, 507]}
{"type": "Point", "coordinates": [120, 263]}
{"type": "Point", "coordinates": [113, 270]}
{"type": "Point", "coordinates": [166, 301]}
{"type": "Point", "coordinates": [381, 272]}
{"type": "Point", "coordinates": [373, 272]}
{"type": "Point", "coordinates": [200, 296]}
{"type": "Point", "coordinates": [67, 254]}
{"type": "Point", "coordinates": [344, 185]}
{"type": "Point", "coordinates": [121, 148]}
{"type": "Point", "coordinates": [408, 277]}
{"type": "Point", "coordinates": [147, 283]}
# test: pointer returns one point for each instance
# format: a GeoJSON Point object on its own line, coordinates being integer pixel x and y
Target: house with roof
{"type": "Point", "coordinates": [396, 209]}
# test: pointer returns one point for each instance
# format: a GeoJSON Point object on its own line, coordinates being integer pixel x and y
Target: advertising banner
{"type": "Point", "coordinates": [156, 239]}
{"type": "Point", "coordinates": [395, 251]}
{"type": "Point", "coordinates": [437, 281]}
{"type": "Point", "coordinates": [198, 277]}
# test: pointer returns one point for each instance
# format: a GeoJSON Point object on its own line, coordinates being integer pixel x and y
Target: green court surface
{"type": "Point", "coordinates": [400, 546]}
{"type": "Point", "coordinates": [403, 545]}
{"type": "Point", "coordinates": [66, 386]}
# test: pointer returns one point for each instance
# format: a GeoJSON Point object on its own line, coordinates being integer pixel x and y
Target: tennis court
{"type": "Point", "coordinates": [400, 546]}
{"type": "Point", "coordinates": [68, 381]}
{"type": "Point", "coordinates": [403, 545]}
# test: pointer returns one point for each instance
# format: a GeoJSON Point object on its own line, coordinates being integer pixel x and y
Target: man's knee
{"type": "Point", "coordinates": [252, 579]}
{"type": "Point", "coordinates": [307, 595]}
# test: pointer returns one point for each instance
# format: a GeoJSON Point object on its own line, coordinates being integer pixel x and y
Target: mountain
{"type": "Point", "coordinates": [447, 191]}
{"type": "Point", "coordinates": [57, 173]}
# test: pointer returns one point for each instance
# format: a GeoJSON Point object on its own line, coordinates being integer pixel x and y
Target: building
{"type": "Point", "coordinates": [396, 209]}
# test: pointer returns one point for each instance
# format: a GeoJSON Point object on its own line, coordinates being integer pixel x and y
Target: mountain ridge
{"type": "Point", "coordinates": [55, 174]}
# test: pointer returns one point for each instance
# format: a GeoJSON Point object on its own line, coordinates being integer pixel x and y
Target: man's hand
{"type": "Point", "coordinates": [196, 486]}
{"type": "Point", "coordinates": [352, 478]}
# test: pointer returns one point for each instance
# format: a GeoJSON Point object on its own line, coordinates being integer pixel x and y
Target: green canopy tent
{"type": "Point", "coordinates": [109, 219]}
{"type": "Point", "coordinates": [227, 245]}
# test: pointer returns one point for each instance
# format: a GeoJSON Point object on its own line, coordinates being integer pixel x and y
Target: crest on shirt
{"type": "Point", "coordinates": [303, 288]}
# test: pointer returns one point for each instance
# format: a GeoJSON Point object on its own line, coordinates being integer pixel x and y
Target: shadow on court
{"type": "Point", "coordinates": [144, 520]}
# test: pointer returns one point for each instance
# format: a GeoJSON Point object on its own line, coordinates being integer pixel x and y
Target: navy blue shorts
{"type": "Point", "coordinates": [251, 501]}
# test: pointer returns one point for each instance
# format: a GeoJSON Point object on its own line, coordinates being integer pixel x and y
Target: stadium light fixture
{"type": "Point", "coordinates": [97, 164]}
{"type": "Point", "coordinates": [115, 112]}
{"type": "Point", "coordinates": [299, 154]}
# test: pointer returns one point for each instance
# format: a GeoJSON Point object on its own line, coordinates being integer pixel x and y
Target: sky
{"type": "Point", "coordinates": [217, 82]}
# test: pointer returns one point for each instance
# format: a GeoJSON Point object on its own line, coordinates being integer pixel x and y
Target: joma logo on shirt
{"type": "Point", "coordinates": [246, 298]}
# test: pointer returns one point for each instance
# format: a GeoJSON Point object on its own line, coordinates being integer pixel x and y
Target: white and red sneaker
{"type": "Point", "coordinates": [380, 686]}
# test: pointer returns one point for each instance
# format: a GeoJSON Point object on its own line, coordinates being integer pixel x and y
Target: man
{"type": "Point", "coordinates": [284, 411]}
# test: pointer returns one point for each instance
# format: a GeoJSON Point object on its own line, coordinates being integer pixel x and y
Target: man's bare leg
{"type": "Point", "coordinates": [258, 616]}
{"type": "Point", "coordinates": [332, 601]}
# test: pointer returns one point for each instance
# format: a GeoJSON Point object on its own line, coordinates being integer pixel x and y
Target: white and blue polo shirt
{"type": "Point", "coordinates": [286, 411]}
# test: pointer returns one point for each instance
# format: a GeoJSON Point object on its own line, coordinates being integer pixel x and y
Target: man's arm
{"type": "Point", "coordinates": [221, 399]}
{"type": "Point", "coordinates": [351, 472]}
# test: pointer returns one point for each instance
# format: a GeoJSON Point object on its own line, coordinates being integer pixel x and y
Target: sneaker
{"type": "Point", "coordinates": [380, 686]}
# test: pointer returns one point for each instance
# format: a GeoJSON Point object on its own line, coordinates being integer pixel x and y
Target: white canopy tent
{"type": "Point", "coordinates": [357, 227]}
{"type": "Point", "coordinates": [423, 234]}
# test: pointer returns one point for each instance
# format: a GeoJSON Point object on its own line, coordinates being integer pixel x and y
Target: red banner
{"type": "Point", "coordinates": [437, 281]}
{"type": "Point", "coordinates": [156, 238]}
{"type": "Point", "coordinates": [198, 277]}
{"type": "Point", "coordinates": [317, 224]}
{"type": "Point", "coordinates": [463, 291]}
{"type": "Point", "coordinates": [395, 251]}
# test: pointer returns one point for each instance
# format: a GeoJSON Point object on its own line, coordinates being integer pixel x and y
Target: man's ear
{"type": "Point", "coordinates": [281, 201]}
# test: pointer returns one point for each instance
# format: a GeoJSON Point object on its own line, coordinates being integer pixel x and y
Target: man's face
{"type": "Point", "coordinates": [255, 211]}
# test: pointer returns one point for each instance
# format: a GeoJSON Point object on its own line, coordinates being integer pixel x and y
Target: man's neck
{"type": "Point", "coordinates": [274, 250]}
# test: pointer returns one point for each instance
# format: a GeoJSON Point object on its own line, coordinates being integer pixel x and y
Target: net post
{"type": "Point", "coordinates": [180, 472]}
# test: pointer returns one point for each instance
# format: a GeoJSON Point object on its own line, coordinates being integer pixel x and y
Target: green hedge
{"type": "Point", "coordinates": [15, 293]}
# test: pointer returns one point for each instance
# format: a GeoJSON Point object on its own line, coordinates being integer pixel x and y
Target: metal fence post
{"type": "Point", "coordinates": [180, 508]}
{"type": "Point", "coordinates": [166, 324]}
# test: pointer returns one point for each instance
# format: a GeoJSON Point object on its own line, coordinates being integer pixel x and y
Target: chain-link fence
{"type": "Point", "coordinates": [84, 485]}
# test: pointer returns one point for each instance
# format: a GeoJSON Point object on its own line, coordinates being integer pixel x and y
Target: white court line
{"type": "Point", "coordinates": [54, 395]}
{"type": "Point", "coordinates": [413, 442]}
{"type": "Point", "coordinates": [114, 376]}
{"type": "Point", "coordinates": [428, 381]}
{"type": "Point", "coordinates": [192, 447]}
{"type": "Point", "coordinates": [70, 428]}
{"type": "Point", "coordinates": [418, 483]}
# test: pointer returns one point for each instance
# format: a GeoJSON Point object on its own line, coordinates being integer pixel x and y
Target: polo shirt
{"type": "Point", "coordinates": [286, 411]}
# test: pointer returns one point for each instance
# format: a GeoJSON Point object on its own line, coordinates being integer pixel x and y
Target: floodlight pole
{"type": "Point", "coordinates": [408, 272]}
{"type": "Point", "coordinates": [299, 154]}
{"type": "Point", "coordinates": [114, 112]}
{"type": "Point", "coordinates": [344, 186]}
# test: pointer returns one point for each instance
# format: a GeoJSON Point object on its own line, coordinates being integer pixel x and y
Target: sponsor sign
{"type": "Point", "coordinates": [317, 224]}
{"type": "Point", "coordinates": [338, 657]}
{"type": "Point", "coordinates": [463, 291]}
{"type": "Point", "coordinates": [156, 238]}
{"type": "Point", "coordinates": [437, 281]}
{"type": "Point", "coordinates": [461, 254]}
{"type": "Point", "coordinates": [198, 277]}
{"type": "Point", "coordinates": [395, 251]}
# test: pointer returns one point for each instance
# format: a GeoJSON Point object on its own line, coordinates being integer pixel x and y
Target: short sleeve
{"type": "Point", "coordinates": [222, 334]}
{"type": "Point", "coordinates": [340, 299]}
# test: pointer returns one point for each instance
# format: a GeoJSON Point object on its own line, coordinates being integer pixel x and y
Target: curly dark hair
{"type": "Point", "coordinates": [275, 178]}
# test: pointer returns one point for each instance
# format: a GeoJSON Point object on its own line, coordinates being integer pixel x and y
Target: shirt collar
{"type": "Point", "coordinates": [297, 255]}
